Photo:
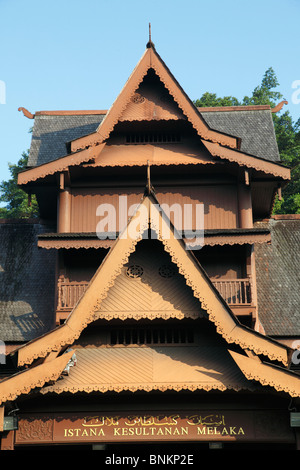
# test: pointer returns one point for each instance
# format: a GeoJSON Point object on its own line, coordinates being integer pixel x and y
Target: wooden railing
{"type": "Point", "coordinates": [69, 293]}
{"type": "Point", "coordinates": [234, 292]}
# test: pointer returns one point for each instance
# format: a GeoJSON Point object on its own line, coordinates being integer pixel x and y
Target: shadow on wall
{"type": "Point", "coordinates": [27, 277]}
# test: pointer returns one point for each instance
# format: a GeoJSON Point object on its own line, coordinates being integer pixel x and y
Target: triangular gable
{"type": "Point", "coordinates": [148, 214]}
{"type": "Point", "coordinates": [149, 287]}
{"type": "Point", "coordinates": [151, 60]}
{"type": "Point", "coordinates": [151, 102]}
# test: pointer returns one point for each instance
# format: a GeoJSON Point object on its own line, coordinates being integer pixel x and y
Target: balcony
{"type": "Point", "coordinates": [236, 292]}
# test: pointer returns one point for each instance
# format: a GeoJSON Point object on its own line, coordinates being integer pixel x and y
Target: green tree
{"type": "Point", "coordinates": [211, 100]}
{"type": "Point", "coordinates": [265, 93]}
{"type": "Point", "coordinates": [15, 199]}
{"type": "Point", "coordinates": [287, 134]}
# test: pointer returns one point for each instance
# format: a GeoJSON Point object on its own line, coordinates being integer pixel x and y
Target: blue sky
{"type": "Point", "coordinates": [64, 54]}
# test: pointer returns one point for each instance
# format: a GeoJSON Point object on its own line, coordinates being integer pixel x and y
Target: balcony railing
{"type": "Point", "coordinates": [235, 292]}
{"type": "Point", "coordinates": [69, 292]}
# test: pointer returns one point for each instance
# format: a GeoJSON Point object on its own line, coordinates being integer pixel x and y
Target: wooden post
{"type": "Point", "coordinates": [245, 206]}
{"type": "Point", "coordinates": [64, 207]}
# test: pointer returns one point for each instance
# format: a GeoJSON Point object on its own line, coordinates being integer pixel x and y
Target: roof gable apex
{"type": "Point", "coordinates": [152, 60]}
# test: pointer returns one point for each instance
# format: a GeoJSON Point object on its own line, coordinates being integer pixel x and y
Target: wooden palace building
{"type": "Point", "coordinates": [156, 299]}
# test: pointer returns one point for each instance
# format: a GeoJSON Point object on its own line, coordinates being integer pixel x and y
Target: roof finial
{"type": "Point", "coordinates": [150, 43]}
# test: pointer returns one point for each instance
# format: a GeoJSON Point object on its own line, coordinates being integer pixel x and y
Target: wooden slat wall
{"type": "Point", "coordinates": [86, 201]}
{"type": "Point", "coordinates": [220, 205]}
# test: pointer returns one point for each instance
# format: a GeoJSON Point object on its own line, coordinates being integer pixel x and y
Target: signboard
{"type": "Point", "coordinates": [156, 427]}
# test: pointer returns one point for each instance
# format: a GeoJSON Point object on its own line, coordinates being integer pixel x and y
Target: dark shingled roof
{"type": "Point", "coordinates": [255, 128]}
{"type": "Point", "coordinates": [278, 279]}
{"type": "Point", "coordinates": [27, 276]}
{"type": "Point", "coordinates": [52, 132]}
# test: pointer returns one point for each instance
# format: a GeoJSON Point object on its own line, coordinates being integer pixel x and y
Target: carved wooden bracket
{"type": "Point", "coordinates": [279, 106]}
{"type": "Point", "coordinates": [26, 113]}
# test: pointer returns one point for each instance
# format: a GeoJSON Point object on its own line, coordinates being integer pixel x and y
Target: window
{"type": "Point", "coordinates": [152, 335]}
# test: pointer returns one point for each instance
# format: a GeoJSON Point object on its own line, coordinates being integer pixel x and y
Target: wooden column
{"type": "Point", "coordinates": [64, 207]}
{"type": "Point", "coordinates": [245, 206]}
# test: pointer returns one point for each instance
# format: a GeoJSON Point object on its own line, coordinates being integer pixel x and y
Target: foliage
{"type": "Point", "coordinates": [15, 199]}
{"type": "Point", "coordinates": [287, 134]}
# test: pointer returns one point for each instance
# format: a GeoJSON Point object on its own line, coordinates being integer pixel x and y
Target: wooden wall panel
{"type": "Point", "coordinates": [220, 206]}
{"type": "Point", "coordinates": [220, 203]}
{"type": "Point", "coordinates": [86, 201]}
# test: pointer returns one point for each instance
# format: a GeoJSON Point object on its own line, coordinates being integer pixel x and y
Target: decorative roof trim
{"type": "Point", "coordinates": [247, 160]}
{"type": "Point", "coordinates": [258, 107]}
{"type": "Point", "coordinates": [146, 387]}
{"type": "Point", "coordinates": [248, 238]}
{"type": "Point", "coordinates": [59, 165]}
{"type": "Point", "coordinates": [211, 238]}
{"type": "Point", "coordinates": [26, 113]}
{"type": "Point", "coordinates": [217, 109]}
{"type": "Point", "coordinates": [281, 379]}
{"type": "Point", "coordinates": [80, 242]}
{"type": "Point", "coordinates": [31, 378]}
{"type": "Point", "coordinates": [151, 60]}
{"type": "Point", "coordinates": [279, 106]}
{"type": "Point", "coordinates": [218, 311]}
{"type": "Point", "coordinates": [72, 112]}
{"type": "Point", "coordinates": [82, 112]}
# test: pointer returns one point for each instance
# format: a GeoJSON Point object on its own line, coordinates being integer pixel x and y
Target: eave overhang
{"type": "Point", "coordinates": [249, 161]}
{"type": "Point", "coordinates": [267, 374]}
{"type": "Point", "coordinates": [92, 157]}
{"type": "Point", "coordinates": [32, 378]}
{"type": "Point", "coordinates": [211, 237]}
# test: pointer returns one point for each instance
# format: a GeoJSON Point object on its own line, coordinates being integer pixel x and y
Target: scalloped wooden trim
{"type": "Point", "coordinates": [146, 387]}
{"type": "Point", "coordinates": [59, 165]}
{"type": "Point", "coordinates": [163, 315]}
{"type": "Point", "coordinates": [249, 161]}
{"type": "Point", "coordinates": [75, 243]}
{"type": "Point", "coordinates": [33, 377]}
{"type": "Point", "coordinates": [267, 375]}
{"type": "Point", "coordinates": [249, 239]}
{"type": "Point", "coordinates": [152, 60]}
